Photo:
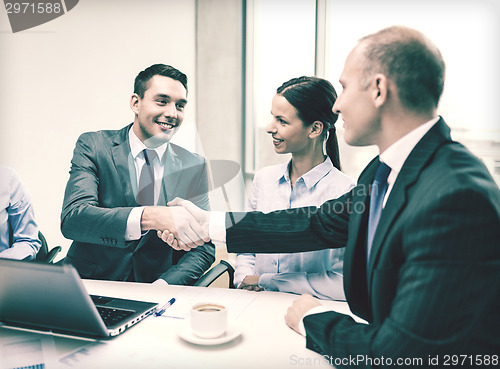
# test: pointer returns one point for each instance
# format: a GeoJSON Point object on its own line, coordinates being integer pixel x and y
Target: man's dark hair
{"type": "Point", "coordinates": [141, 82]}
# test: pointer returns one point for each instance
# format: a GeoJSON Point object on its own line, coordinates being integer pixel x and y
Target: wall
{"type": "Point", "coordinates": [75, 74]}
{"type": "Point", "coordinates": [219, 81]}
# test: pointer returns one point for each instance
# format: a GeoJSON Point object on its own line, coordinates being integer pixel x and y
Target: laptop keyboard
{"type": "Point", "coordinates": [100, 300]}
{"type": "Point", "coordinates": [113, 316]}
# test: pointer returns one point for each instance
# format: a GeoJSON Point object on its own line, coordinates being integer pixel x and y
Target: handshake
{"type": "Point", "coordinates": [180, 224]}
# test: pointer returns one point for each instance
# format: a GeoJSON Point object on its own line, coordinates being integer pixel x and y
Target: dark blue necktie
{"type": "Point", "coordinates": [377, 193]}
{"type": "Point", "coordinates": [146, 190]}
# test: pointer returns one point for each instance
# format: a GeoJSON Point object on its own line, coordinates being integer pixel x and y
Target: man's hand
{"type": "Point", "coordinates": [179, 223]}
{"type": "Point", "coordinates": [202, 218]}
{"type": "Point", "coordinates": [251, 283]}
{"type": "Point", "coordinates": [298, 309]}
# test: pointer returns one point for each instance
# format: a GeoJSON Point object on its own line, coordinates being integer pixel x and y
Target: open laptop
{"type": "Point", "coordinates": [53, 297]}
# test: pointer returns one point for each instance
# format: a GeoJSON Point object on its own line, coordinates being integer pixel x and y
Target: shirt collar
{"type": "Point", "coordinates": [396, 154]}
{"type": "Point", "coordinates": [282, 173]}
{"type": "Point", "coordinates": [136, 145]}
{"type": "Point", "coordinates": [311, 178]}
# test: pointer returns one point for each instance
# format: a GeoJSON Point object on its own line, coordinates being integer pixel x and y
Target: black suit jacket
{"type": "Point", "coordinates": [99, 197]}
{"type": "Point", "coordinates": [433, 284]}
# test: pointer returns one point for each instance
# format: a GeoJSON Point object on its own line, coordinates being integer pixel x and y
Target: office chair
{"type": "Point", "coordinates": [44, 255]}
{"type": "Point", "coordinates": [210, 276]}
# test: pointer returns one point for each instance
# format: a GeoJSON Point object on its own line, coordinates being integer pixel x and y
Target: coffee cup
{"type": "Point", "coordinates": [208, 320]}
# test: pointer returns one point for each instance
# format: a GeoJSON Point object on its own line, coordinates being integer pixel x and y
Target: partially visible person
{"type": "Point", "coordinates": [18, 229]}
{"type": "Point", "coordinates": [302, 123]}
{"type": "Point", "coordinates": [120, 181]}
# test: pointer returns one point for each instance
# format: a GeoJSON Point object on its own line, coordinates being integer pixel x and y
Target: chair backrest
{"type": "Point", "coordinates": [45, 255]}
{"type": "Point", "coordinates": [210, 276]}
{"type": "Point", "coordinates": [44, 249]}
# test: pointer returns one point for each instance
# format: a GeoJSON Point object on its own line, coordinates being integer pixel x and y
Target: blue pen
{"type": "Point", "coordinates": [165, 307]}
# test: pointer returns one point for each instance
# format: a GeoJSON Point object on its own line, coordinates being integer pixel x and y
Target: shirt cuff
{"type": "Point", "coordinates": [133, 231]}
{"type": "Point", "coordinates": [217, 226]}
{"type": "Point", "coordinates": [314, 310]}
{"type": "Point", "coordinates": [265, 281]}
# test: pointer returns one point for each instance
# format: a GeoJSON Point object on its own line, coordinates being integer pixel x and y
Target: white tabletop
{"type": "Point", "coordinates": [265, 342]}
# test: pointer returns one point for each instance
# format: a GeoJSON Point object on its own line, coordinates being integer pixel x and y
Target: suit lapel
{"type": "Point", "coordinates": [355, 252]}
{"type": "Point", "coordinates": [171, 174]}
{"type": "Point", "coordinates": [408, 175]}
{"type": "Point", "coordinates": [121, 153]}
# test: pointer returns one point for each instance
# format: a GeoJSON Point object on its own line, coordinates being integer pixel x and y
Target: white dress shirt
{"type": "Point", "coordinates": [396, 154]}
{"type": "Point", "coordinates": [133, 231]}
{"type": "Point", "coordinates": [318, 273]}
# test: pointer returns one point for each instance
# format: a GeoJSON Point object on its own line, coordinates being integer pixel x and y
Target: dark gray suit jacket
{"type": "Point", "coordinates": [433, 285]}
{"type": "Point", "coordinates": [98, 199]}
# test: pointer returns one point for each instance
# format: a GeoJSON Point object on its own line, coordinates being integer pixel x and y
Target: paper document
{"type": "Point", "coordinates": [25, 351]}
{"type": "Point", "coordinates": [115, 354]}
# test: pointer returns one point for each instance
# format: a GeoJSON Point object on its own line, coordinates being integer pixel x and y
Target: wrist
{"type": "Point", "coordinates": [217, 226]}
{"type": "Point", "coordinates": [148, 220]}
{"type": "Point", "coordinates": [206, 222]}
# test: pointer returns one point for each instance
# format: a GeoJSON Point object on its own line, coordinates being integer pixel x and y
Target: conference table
{"type": "Point", "coordinates": [259, 336]}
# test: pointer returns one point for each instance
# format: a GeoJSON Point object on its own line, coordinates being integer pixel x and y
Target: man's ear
{"type": "Point", "coordinates": [380, 90]}
{"type": "Point", "coordinates": [316, 128]}
{"type": "Point", "coordinates": [134, 103]}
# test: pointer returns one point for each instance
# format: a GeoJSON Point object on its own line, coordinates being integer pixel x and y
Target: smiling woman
{"type": "Point", "coordinates": [302, 120]}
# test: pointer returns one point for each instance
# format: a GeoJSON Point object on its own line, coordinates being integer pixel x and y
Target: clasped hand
{"type": "Point", "coordinates": [186, 226]}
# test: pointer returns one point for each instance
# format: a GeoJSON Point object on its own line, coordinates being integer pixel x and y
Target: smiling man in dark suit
{"type": "Point", "coordinates": [421, 229]}
{"type": "Point", "coordinates": [120, 181]}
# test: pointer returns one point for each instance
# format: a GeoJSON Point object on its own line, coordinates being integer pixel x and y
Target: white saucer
{"type": "Point", "coordinates": [233, 331]}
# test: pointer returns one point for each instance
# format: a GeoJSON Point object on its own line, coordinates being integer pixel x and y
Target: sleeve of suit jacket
{"type": "Point", "coordinates": [193, 264]}
{"type": "Point", "coordinates": [446, 290]}
{"type": "Point", "coordinates": [448, 279]}
{"type": "Point", "coordinates": [290, 230]}
{"type": "Point", "coordinates": [82, 217]}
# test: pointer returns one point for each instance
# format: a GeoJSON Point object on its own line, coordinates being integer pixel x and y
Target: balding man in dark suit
{"type": "Point", "coordinates": [421, 229]}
